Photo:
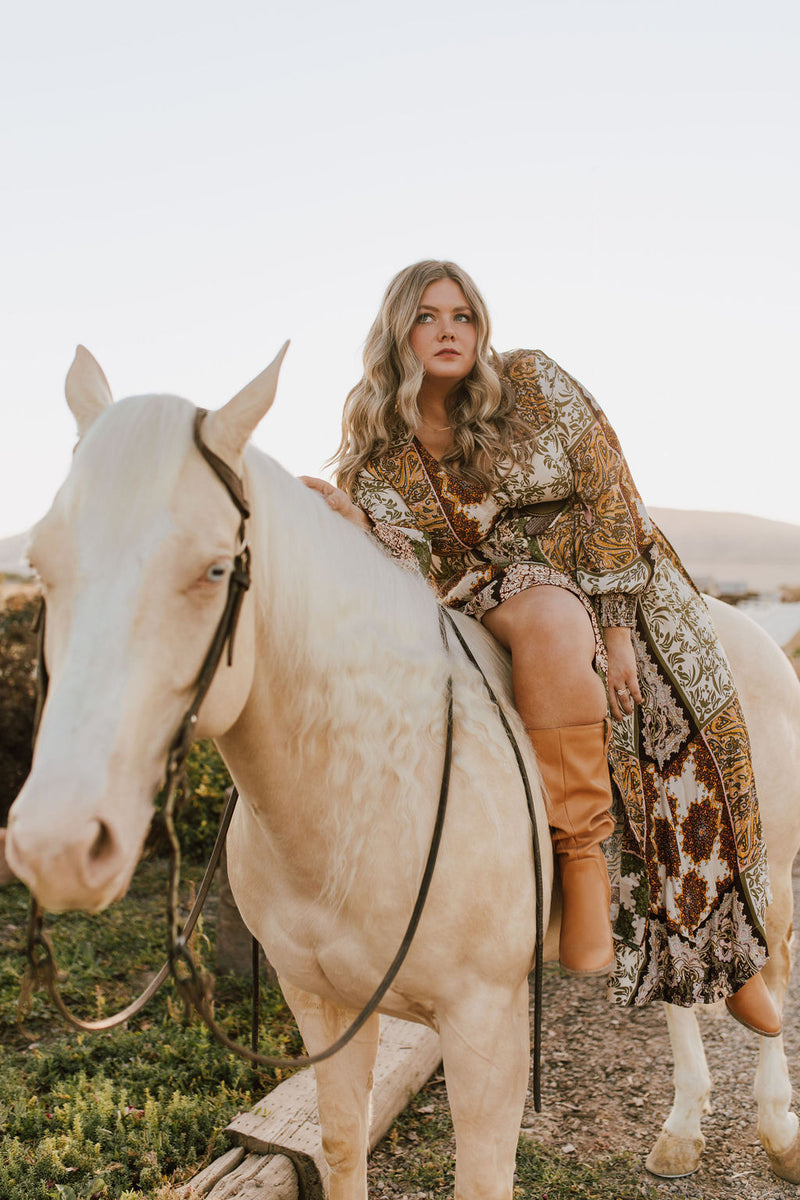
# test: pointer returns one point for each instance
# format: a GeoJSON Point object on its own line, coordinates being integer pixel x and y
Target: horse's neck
{"type": "Point", "coordinates": [329, 595]}
{"type": "Point", "coordinates": [349, 664]}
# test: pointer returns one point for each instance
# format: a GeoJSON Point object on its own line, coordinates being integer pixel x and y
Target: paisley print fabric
{"type": "Point", "coordinates": [687, 860]}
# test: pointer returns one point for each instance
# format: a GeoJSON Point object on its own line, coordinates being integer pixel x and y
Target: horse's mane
{"type": "Point", "coordinates": [368, 672]}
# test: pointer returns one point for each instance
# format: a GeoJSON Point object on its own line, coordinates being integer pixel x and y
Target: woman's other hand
{"type": "Point", "coordinates": [623, 679]}
{"type": "Point", "coordinates": [338, 500]}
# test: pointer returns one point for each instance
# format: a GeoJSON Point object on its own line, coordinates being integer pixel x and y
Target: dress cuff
{"type": "Point", "coordinates": [398, 544]}
{"type": "Point", "coordinates": [618, 608]}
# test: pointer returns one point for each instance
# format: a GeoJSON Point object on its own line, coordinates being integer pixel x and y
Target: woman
{"type": "Point", "coordinates": [500, 479]}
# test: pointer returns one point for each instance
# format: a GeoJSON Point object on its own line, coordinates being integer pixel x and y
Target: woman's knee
{"type": "Point", "coordinates": [551, 639]}
{"type": "Point", "coordinates": [546, 621]}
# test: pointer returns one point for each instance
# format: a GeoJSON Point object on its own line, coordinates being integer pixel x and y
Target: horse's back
{"type": "Point", "coordinates": [770, 694]}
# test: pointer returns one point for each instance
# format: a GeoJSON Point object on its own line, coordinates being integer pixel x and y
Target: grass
{"type": "Point", "coordinates": [545, 1175]}
{"type": "Point", "coordinates": [423, 1162]}
{"type": "Point", "coordinates": [125, 1113]}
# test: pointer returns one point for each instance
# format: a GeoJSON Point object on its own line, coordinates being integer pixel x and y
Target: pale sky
{"type": "Point", "coordinates": [188, 184]}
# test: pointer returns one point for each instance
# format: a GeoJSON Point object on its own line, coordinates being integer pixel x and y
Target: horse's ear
{"type": "Point", "coordinates": [229, 428]}
{"type": "Point", "coordinates": [87, 390]}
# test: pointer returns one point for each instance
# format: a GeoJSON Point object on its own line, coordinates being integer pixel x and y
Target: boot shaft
{"type": "Point", "coordinates": [573, 761]}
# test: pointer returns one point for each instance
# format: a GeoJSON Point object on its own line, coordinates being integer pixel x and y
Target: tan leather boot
{"type": "Point", "coordinates": [574, 767]}
{"type": "Point", "coordinates": [753, 1007]}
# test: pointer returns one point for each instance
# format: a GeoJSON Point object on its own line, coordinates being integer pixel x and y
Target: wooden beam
{"type": "Point", "coordinates": [284, 1126]}
{"type": "Point", "coordinates": [218, 1169]}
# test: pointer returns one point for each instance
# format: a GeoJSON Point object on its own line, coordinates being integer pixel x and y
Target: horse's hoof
{"type": "Point", "coordinates": [786, 1165]}
{"type": "Point", "coordinates": [673, 1157]}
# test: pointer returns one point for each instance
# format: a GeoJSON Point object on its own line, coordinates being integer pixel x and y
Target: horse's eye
{"type": "Point", "coordinates": [216, 573]}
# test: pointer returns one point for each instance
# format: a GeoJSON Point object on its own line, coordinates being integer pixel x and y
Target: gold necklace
{"type": "Point", "coordinates": [436, 428]}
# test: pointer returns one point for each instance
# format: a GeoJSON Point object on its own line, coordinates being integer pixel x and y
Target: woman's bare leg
{"type": "Point", "coordinates": [552, 646]}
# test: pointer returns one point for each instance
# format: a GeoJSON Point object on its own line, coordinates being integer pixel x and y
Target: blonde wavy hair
{"type": "Point", "coordinates": [384, 403]}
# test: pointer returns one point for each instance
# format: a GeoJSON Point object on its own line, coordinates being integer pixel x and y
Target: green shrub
{"type": "Point", "coordinates": [98, 1134]}
{"type": "Point", "coordinates": [17, 695]}
{"type": "Point", "coordinates": [126, 1112]}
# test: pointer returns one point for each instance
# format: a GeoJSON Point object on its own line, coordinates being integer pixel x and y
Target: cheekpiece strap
{"type": "Point", "coordinates": [226, 476]}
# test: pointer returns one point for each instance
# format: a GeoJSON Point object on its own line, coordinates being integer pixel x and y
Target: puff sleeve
{"type": "Point", "coordinates": [392, 522]}
{"type": "Point", "coordinates": [612, 531]}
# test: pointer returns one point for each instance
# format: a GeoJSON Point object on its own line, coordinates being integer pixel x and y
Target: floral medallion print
{"type": "Point", "coordinates": [687, 861]}
{"type": "Point", "coordinates": [717, 961]}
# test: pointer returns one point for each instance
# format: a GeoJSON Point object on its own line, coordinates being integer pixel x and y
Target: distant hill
{"type": "Point", "coordinates": [733, 550]}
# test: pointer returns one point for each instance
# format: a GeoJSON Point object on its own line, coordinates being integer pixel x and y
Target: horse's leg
{"type": "Point", "coordinates": [344, 1084]}
{"type": "Point", "coordinates": [680, 1144]}
{"type": "Point", "coordinates": [777, 1124]}
{"type": "Point", "coordinates": [486, 1051]}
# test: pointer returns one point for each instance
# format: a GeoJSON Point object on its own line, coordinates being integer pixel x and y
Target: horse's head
{"type": "Point", "coordinates": [134, 557]}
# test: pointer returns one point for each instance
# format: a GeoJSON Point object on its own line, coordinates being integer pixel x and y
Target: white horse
{"type": "Point", "coordinates": [331, 719]}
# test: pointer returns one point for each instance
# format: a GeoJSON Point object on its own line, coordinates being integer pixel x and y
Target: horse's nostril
{"type": "Point", "coordinates": [103, 844]}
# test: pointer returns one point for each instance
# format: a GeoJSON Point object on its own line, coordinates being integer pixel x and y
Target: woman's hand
{"type": "Point", "coordinates": [338, 500]}
{"type": "Point", "coordinates": [623, 679]}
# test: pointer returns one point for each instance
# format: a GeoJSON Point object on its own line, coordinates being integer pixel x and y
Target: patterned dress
{"type": "Point", "coordinates": [687, 861]}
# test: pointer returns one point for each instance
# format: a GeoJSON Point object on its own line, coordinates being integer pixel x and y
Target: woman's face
{"type": "Point", "coordinates": [444, 334]}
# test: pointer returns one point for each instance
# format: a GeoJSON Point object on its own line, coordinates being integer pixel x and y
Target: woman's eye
{"type": "Point", "coordinates": [463, 317]}
{"type": "Point", "coordinates": [424, 318]}
{"type": "Point", "coordinates": [216, 573]}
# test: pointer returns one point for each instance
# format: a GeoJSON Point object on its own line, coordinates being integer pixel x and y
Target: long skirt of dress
{"type": "Point", "coordinates": [687, 861]}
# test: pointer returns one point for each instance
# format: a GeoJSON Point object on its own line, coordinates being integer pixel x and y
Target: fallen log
{"type": "Point", "coordinates": [279, 1142]}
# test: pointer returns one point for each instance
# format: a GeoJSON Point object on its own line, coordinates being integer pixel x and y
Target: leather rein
{"type": "Point", "coordinates": [192, 983]}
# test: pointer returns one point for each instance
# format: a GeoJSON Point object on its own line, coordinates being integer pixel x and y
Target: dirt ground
{"type": "Point", "coordinates": [607, 1088]}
